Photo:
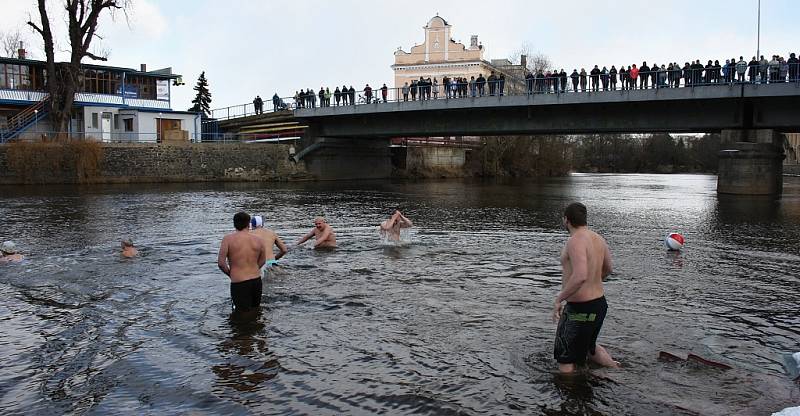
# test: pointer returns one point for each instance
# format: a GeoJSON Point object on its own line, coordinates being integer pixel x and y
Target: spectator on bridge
{"type": "Point", "coordinates": [717, 72]}
{"type": "Point", "coordinates": [414, 90]}
{"type": "Point", "coordinates": [501, 82]}
{"type": "Point", "coordinates": [612, 77]}
{"type": "Point", "coordinates": [662, 76]}
{"type": "Point", "coordinates": [697, 73]}
{"type": "Point", "coordinates": [644, 76]}
{"type": "Point", "coordinates": [794, 67]}
{"type": "Point", "coordinates": [435, 87]}
{"type": "Point", "coordinates": [752, 69]}
{"type": "Point", "coordinates": [492, 83]}
{"type": "Point", "coordinates": [345, 95]}
{"type": "Point", "coordinates": [784, 69]}
{"type": "Point", "coordinates": [633, 74]}
{"type": "Point", "coordinates": [473, 88]}
{"type": "Point", "coordinates": [583, 79]}
{"type": "Point", "coordinates": [774, 69]}
{"type": "Point", "coordinates": [337, 95]}
{"type": "Point", "coordinates": [595, 74]}
{"type": "Point", "coordinates": [726, 71]}
{"type": "Point", "coordinates": [670, 74]}
{"type": "Point", "coordinates": [574, 77]}
{"type": "Point", "coordinates": [276, 102]}
{"type": "Point", "coordinates": [428, 88]}
{"type": "Point", "coordinates": [676, 74]}
{"type": "Point", "coordinates": [257, 103]}
{"type": "Point", "coordinates": [604, 78]}
{"type": "Point", "coordinates": [481, 81]}
{"type": "Point", "coordinates": [763, 65]}
{"type": "Point", "coordinates": [654, 75]}
{"type": "Point", "coordinates": [327, 97]}
{"type": "Point", "coordinates": [405, 91]}
{"type": "Point", "coordinates": [384, 92]}
{"type": "Point", "coordinates": [368, 93]}
{"type": "Point", "coordinates": [741, 69]}
{"type": "Point", "coordinates": [623, 75]}
{"type": "Point", "coordinates": [321, 94]}
{"type": "Point", "coordinates": [562, 77]}
{"type": "Point", "coordinates": [352, 92]}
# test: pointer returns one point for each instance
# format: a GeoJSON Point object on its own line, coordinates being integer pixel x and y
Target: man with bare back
{"type": "Point", "coordinates": [323, 234]}
{"type": "Point", "coordinates": [270, 239]}
{"type": "Point", "coordinates": [241, 256]}
{"type": "Point", "coordinates": [586, 261]}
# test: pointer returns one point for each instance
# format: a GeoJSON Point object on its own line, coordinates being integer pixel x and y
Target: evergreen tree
{"type": "Point", "coordinates": [203, 98]}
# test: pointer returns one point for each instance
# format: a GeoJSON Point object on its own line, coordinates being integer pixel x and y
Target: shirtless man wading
{"type": "Point", "coordinates": [586, 261]}
{"type": "Point", "coordinates": [391, 227]}
{"type": "Point", "coordinates": [323, 234]}
{"type": "Point", "coordinates": [270, 239]}
{"type": "Point", "coordinates": [241, 256]}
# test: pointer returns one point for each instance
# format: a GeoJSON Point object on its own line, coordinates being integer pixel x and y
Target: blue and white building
{"type": "Point", "coordinates": [112, 104]}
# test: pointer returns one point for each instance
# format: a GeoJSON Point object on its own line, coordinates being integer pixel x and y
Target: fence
{"type": "Point", "coordinates": [151, 138]}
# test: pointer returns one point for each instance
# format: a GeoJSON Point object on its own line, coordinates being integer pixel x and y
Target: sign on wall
{"type": "Point", "coordinates": [162, 90]}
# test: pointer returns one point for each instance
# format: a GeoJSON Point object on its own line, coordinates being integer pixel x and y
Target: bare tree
{"type": "Point", "coordinates": [536, 60]}
{"type": "Point", "coordinates": [10, 41]}
{"type": "Point", "coordinates": [64, 78]}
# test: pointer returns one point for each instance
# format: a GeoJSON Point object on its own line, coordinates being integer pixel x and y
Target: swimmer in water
{"type": "Point", "coordinates": [586, 261]}
{"type": "Point", "coordinates": [9, 254]}
{"type": "Point", "coordinates": [270, 239]}
{"type": "Point", "coordinates": [323, 234]}
{"type": "Point", "coordinates": [128, 250]}
{"type": "Point", "coordinates": [241, 257]}
{"type": "Point", "coordinates": [390, 229]}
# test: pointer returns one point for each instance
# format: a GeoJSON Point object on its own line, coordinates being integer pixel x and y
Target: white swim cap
{"type": "Point", "coordinates": [256, 221]}
{"type": "Point", "coordinates": [8, 247]}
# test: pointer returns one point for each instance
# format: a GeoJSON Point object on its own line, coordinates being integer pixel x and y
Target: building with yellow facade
{"type": "Point", "coordinates": [440, 56]}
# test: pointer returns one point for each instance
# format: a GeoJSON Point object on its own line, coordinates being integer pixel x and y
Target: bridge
{"type": "Point", "coordinates": [352, 140]}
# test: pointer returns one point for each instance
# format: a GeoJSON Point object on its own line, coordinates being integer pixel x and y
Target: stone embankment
{"type": "Point", "coordinates": [54, 163]}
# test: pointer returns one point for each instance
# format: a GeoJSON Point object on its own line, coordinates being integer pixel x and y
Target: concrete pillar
{"type": "Point", "coordinates": [750, 162]}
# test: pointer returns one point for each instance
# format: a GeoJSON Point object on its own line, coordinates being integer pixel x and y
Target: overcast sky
{"type": "Point", "coordinates": [249, 47]}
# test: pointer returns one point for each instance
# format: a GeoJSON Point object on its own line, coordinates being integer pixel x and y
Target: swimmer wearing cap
{"type": "Point", "coordinates": [270, 239]}
{"type": "Point", "coordinates": [9, 254]}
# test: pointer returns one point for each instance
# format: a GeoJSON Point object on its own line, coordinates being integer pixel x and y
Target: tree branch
{"type": "Point", "coordinates": [95, 57]}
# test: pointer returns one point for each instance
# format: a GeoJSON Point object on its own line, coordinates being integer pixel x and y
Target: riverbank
{"type": "Point", "coordinates": [90, 162]}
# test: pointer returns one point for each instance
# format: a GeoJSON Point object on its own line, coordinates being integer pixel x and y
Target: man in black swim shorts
{"type": "Point", "coordinates": [586, 261]}
{"type": "Point", "coordinates": [241, 256]}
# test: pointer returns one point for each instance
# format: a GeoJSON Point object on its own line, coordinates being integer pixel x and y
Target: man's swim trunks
{"type": "Point", "coordinates": [578, 330]}
{"type": "Point", "coordinates": [246, 295]}
{"type": "Point", "coordinates": [271, 263]}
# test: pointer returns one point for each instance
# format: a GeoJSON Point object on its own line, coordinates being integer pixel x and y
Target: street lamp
{"type": "Point", "coordinates": [758, 35]}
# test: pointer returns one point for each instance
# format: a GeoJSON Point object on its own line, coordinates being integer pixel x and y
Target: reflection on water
{"type": "Point", "coordinates": [454, 320]}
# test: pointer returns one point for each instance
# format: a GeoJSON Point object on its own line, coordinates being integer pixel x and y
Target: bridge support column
{"type": "Point", "coordinates": [333, 158]}
{"type": "Point", "coordinates": [750, 162]}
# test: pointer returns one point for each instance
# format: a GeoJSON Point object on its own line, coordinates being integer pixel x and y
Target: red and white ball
{"type": "Point", "coordinates": [674, 241]}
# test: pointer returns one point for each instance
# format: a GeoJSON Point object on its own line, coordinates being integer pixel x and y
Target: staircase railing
{"type": "Point", "coordinates": [27, 115]}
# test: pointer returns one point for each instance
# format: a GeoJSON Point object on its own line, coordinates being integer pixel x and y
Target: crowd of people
{"type": "Point", "coordinates": [630, 77]}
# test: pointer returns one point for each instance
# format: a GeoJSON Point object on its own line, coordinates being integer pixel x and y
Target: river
{"type": "Point", "coordinates": [457, 322]}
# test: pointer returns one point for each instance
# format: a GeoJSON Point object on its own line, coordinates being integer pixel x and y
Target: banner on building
{"type": "Point", "coordinates": [162, 90]}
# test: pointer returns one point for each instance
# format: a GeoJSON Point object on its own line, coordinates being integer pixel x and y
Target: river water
{"type": "Point", "coordinates": [457, 322]}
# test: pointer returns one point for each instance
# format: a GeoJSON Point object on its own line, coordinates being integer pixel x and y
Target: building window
{"type": "Point", "coordinates": [116, 121]}
{"type": "Point", "coordinates": [128, 124]}
{"type": "Point", "coordinates": [94, 120]}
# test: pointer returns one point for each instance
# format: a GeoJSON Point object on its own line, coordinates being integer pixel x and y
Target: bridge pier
{"type": "Point", "coordinates": [335, 158]}
{"type": "Point", "coordinates": [750, 162]}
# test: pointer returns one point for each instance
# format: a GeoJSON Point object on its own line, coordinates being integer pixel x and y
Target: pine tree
{"type": "Point", "coordinates": [203, 98]}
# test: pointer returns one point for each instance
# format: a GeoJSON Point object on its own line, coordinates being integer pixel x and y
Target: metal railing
{"type": "Point", "coordinates": [612, 79]}
{"type": "Point", "coordinates": [152, 137]}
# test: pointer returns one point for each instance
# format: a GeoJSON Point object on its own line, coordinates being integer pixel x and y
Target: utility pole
{"type": "Point", "coordinates": [758, 36]}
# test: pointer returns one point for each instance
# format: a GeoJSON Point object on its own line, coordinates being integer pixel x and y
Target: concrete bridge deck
{"type": "Point", "coordinates": [688, 109]}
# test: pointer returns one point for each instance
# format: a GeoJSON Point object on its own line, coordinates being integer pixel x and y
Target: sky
{"type": "Point", "coordinates": [249, 47]}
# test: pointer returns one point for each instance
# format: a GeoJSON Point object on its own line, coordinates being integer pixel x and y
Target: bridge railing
{"type": "Point", "coordinates": [598, 81]}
